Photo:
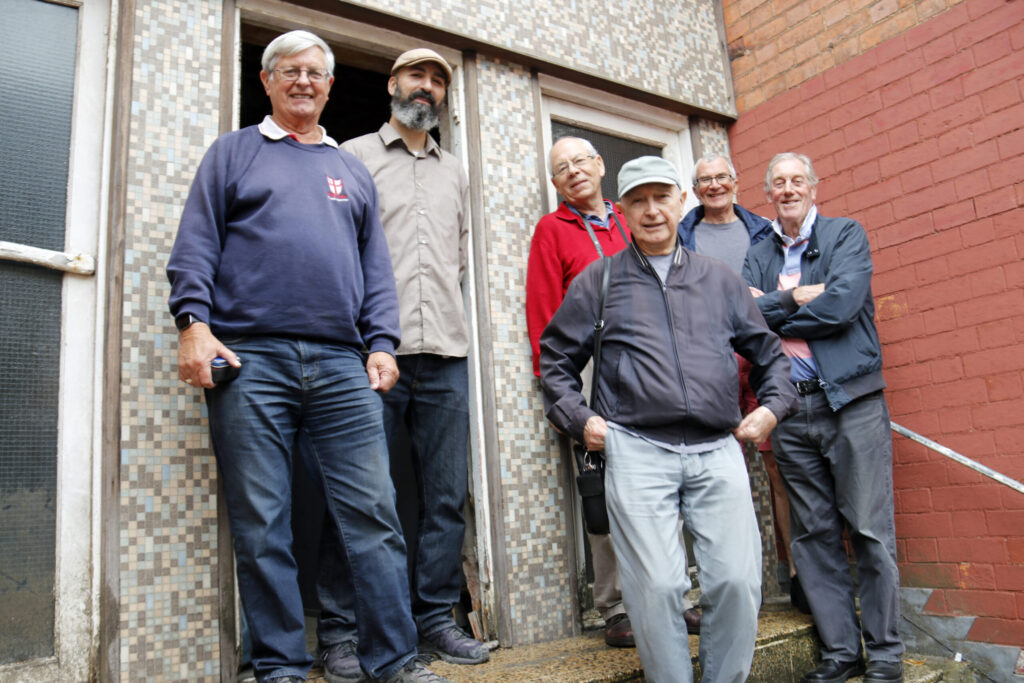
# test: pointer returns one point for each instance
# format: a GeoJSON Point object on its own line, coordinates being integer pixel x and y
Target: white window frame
{"type": "Point", "coordinates": [77, 576]}
{"type": "Point", "coordinates": [593, 109]}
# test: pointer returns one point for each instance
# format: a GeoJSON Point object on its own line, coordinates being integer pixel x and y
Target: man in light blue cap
{"type": "Point", "coordinates": [667, 417]}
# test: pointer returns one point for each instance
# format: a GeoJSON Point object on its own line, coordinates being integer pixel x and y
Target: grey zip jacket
{"type": "Point", "coordinates": [668, 371]}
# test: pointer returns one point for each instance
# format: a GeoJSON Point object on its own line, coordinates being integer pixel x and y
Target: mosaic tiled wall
{"type": "Point", "coordinates": [668, 48]}
{"type": "Point", "coordinates": [168, 517]}
{"type": "Point", "coordinates": [712, 136]}
{"type": "Point", "coordinates": [534, 485]}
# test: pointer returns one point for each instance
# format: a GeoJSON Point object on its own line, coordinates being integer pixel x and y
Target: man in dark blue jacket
{"type": "Point", "coordinates": [813, 282]}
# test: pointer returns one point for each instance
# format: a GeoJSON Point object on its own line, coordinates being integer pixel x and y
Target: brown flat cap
{"type": "Point", "coordinates": [420, 55]}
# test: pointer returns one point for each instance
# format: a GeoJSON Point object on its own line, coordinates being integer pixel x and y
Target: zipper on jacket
{"type": "Point", "coordinates": [668, 315]}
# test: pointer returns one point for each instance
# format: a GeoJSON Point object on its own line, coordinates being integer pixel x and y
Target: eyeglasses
{"type": "Point", "coordinates": [294, 73]}
{"type": "Point", "coordinates": [798, 182]}
{"type": "Point", "coordinates": [721, 179]}
{"type": "Point", "coordinates": [578, 162]}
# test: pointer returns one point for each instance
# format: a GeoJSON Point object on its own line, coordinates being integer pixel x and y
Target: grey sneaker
{"type": "Point", "coordinates": [415, 671]}
{"type": "Point", "coordinates": [453, 645]}
{"type": "Point", "coordinates": [340, 663]}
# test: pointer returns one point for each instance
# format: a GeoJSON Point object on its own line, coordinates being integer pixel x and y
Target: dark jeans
{"type": "Point", "coordinates": [837, 468]}
{"type": "Point", "coordinates": [289, 387]}
{"type": "Point", "coordinates": [431, 400]}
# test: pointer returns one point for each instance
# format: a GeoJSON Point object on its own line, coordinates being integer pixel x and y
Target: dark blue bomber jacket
{"type": "Point", "coordinates": [839, 324]}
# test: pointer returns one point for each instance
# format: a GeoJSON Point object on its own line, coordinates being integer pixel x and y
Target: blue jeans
{"type": "Point", "coordinates": [837, 468]}
{"type": "Point", "coordinates": [647, 489]}
{"type": "Point", "coordinates": [431, 400]}
{"type": "Point", "coordinates": [289, 387]}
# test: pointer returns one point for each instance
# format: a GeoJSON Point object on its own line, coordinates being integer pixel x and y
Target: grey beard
{"type": "Point", "coordinates": [415, 115]}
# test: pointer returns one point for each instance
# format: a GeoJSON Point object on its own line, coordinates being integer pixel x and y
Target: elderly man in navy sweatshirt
{"type": "Point", "coordinates": [281, 267]}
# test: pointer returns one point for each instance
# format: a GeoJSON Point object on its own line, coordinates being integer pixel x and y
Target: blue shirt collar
{"type": "Point", "coordinates": [805, 228]}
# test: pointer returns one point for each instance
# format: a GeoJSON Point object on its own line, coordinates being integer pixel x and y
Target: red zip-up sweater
{"type": "Point", "coordinates": [559, 251]}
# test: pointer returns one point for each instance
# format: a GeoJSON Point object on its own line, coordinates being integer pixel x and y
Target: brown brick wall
{"type": "Point", "coordinates": [776, 45]}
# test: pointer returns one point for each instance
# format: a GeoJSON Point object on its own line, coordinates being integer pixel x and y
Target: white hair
{"type": "Point", "coordinates": [812, 178]}
{"type": "Point", "coordinates": [707, 159]}
{"type": "Point", "coordinates": [292, 43]}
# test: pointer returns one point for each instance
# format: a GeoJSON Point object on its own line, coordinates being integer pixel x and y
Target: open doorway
{"type": "Point", "coordinates": [358, 104]}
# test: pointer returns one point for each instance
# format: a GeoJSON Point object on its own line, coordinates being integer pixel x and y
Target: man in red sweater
{"type": "Point", "coordinates": [561, 248]}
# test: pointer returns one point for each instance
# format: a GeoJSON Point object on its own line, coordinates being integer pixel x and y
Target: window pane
{"type": "Point", "coordinates": [30, 299]}
{"type": "Point", "coordinates": [614, 151]}
{"type": "Point", "coordinates": [36, 82]}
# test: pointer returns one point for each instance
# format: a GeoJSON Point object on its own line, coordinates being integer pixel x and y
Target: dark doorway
{"type": "Point", "coordinates": [358, 103]}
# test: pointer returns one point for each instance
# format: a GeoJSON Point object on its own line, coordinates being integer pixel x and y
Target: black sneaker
{"type": "Point", "coordinates": [415, 671]}
{"type": "Point", "coordinates": [453, 645]}
{"type": "Point", "coordinates": [340, 663]}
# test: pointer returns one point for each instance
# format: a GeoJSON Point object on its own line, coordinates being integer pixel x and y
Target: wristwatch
{"type": "Point", "coordinates": [183, 321]}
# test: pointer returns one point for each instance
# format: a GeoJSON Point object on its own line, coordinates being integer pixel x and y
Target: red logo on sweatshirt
{"type": "Point", "coordinates": [335, 190]}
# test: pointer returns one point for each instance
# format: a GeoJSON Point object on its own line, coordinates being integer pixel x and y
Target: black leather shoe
{"type": "Point", "coordinates": [835, 671]}
{"type": "Point", "coordinates": [692, 618]}
{"type": "Point", "coordinates": [889, 672]}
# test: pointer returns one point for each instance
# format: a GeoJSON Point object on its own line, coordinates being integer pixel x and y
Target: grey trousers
{"type": "Point", "coordinates": [607, 589]}
{"type": "Point", "coordinates": [837, 469]}
{"type": "Point", "coordinates": [647, 489]}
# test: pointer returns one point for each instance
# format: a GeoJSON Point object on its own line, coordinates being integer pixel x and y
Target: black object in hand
{"type": "Point", "coordinates": [222, 371]}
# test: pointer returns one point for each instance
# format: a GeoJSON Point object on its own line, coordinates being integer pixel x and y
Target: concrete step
{"type": "Point", "coordinates": [787, 648]}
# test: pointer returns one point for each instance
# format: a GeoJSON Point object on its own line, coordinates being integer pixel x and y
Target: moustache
{"type": "Point", "coordinates": [421, 93]}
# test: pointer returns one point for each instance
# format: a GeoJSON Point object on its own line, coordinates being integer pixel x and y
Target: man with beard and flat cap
{"type": "Point", "coordinates": [423, 207]}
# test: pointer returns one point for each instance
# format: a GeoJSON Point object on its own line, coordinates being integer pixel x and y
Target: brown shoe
{"type": "Point", "coordinates": [618, 632]}
{"type": "Point", "coordinates": [692, 618]}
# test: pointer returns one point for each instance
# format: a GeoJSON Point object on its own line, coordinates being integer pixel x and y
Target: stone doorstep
{"type": "Point", "coordinates": [786, 642]}
{"type": "Point", "coordinates": [787, 647]}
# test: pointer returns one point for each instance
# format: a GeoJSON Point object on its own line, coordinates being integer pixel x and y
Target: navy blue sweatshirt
{"type": "Point", "coordinates": [281, 238]}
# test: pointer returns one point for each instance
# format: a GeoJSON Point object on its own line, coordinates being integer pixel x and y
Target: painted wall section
{"type": "Point", "coordinates": [921, 139]}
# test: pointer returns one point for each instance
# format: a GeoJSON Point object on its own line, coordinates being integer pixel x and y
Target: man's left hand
{"type": "Point", "coordinates": [382, 370]}
{"type": "Point", "coordinates": [756, 426]}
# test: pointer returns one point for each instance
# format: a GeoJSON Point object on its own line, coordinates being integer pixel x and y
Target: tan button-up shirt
{"type": "Point", "coordinates": [423, 201]}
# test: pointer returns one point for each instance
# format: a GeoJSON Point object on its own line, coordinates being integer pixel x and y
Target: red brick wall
{"type": "Point", "coordinates": [920, 137]}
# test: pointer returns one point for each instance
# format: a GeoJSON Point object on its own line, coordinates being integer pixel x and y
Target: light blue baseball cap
{"type": "Point", "coordinates": [649, 169]}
